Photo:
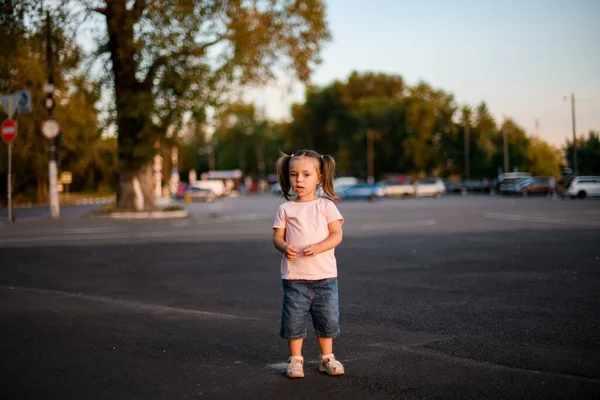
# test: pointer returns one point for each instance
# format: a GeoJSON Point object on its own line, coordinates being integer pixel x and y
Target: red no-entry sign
{"type": "Point", "coordinates": [9, 130]}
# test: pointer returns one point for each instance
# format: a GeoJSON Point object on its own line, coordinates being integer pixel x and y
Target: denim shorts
{"type": "Point", "coordinates": [318, 298]}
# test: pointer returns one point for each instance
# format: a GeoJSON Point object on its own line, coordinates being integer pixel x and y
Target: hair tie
{"type": "Point", "coordinates": [292, 155]}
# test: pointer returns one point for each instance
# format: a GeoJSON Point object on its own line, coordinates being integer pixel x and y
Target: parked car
{"type": "Point", "coordinates": [405, 189]}
{"type": "Point", "coordinates": [509, 179]}
{"type": "Point", "coordinates": [196, 193]}
{"type": "Point", "coordinates": [584, 186]}
{"type": "Point", "coordinates": [532, 186]}
{"type": "Point", "coordinates": [399, 186]}
{"type": "Point", "coordinates": [472, 185]}
{"type": "Point", "coordinates": [423, 188]}
{"type": "Point", "coordinates": [430, 187]}
{"type": "Point", "coordinates": [276, 189]}
{"type": "Point", "coordinates": [363, 191]}
{"type": "Point", "coordinates": [214, 185]}
{"type": "Point", "coordinates": [344, 181]}
{"type": "Point", "coordinates": [453, 187]}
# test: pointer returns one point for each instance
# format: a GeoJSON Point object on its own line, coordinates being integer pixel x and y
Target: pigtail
{"type": "Point", "coordinates": [328, 175]}
{"type": "Point", "coordinates": [283, 174]}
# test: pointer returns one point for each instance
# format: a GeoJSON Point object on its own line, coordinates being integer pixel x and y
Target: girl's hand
{"type": "Point", "coordinates": [311, 250]}
{"type": "Point", "coordinates": [291, 252]}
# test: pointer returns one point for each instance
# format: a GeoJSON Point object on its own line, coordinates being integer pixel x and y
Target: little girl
{"type": "Point", "coordinates": [307, 229]}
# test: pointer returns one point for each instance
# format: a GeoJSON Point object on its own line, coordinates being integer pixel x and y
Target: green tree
{"type": "Point", "coordinates": [518, 146]}
{"type": "Point", "coordinates": [416, 129]}
{"type": "Point", "coordinates": [244, 140]}
{"type": "Point", "coordinates": [485, 130]}
{"type": "Point", "coordinates": [25, 68]}
{"type": "Point", "coordinates": [168, 58]}
{"type": "Point", "coordinates": [91, 157]}
{"type": "Point", "coordinates": [543, 159]}
{"type": "Point", "coordinates": [588, 154]}
{"type": "Point", "coordinates": [235, 135]}
{"type": "Point", "coordinates": [429, 118]}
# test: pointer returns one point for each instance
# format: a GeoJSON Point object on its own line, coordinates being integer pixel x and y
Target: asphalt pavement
{"type": "Point", "coordinates": [453, 298]}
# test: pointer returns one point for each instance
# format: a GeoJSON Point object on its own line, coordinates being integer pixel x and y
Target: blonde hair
{"type": "Point", "coordinates": [326, 169]}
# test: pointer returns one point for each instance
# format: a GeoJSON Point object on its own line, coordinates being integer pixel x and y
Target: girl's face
{"type": "Point", "coordinates": [305, 177]}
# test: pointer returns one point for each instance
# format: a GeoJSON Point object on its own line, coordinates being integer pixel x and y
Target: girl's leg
{"type": "Point", "coordinates": [296, 347]}
{"type": "Point", "coordinates": [328, 362]}
{"type": "Point", "coordinates": [326, 345]}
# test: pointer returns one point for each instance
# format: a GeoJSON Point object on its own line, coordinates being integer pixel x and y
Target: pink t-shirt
{"type": "Point", "coordinates": [306, 223]}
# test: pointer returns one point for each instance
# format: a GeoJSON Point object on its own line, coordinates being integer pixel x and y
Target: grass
{"type": "Point", "coordinates": [112, 208]}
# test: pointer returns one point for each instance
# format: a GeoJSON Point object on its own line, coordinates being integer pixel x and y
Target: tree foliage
{"type": "Point", "coordinates": [419, 130]}
{"type": "Point", "coordinates": [170, 58]}
{"type": "Point", "coordinates": [83, 150]}
{"type": "Point", "coordinates": [588, 153]}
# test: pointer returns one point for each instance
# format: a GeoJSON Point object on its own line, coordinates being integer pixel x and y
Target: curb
{"type": "Point", "coordinates": [95, 200]}
{"type": "Point", "coordinates": [143, 215]}
{"type": "Point", "coordinates": [90, 200]}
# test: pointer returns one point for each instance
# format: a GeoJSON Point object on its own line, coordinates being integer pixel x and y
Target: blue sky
{"type": "Point", "coordinates": [519, 56]}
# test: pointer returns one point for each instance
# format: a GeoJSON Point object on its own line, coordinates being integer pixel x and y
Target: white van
{"type": "Point", "coordinates": [584, 186]}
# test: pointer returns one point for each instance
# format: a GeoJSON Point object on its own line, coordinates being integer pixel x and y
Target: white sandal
{"type": "Point", "coordinates": [331, 366]}
{"type": "Point", "coordinates": [295, 368]}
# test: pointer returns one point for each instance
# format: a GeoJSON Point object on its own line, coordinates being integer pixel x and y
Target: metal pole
{"type": "Point", "coordinates": [9, 177]}
{"type": "Point", "coordinates": [211, 159]}
{"type": "Point", "coordinates": [52, 169]}
{"type": "Point", "coordinates": [467, 152]}
{"type": "Point", "coordinates": [370, 156]}
{"type": "Point", "coordinates": [505, 150]}
{"type": "Point", "coordinates": [574, 135]}
{"type": "Point", "coordinates": [9, 184]}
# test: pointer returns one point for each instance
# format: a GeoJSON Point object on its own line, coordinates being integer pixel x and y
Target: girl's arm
{"type": "Point", "coordinates": [280, 244]}
{"type": "Point", "coordinates": [332, 241]}
{"type": "Point", "coordinates": [279, 239]}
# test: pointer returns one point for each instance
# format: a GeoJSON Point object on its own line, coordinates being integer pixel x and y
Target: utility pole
{"type": "Point", "coordinates": [505, 135]}
{"type": "Point", "coordinates": [52, 167]}
{"type": "Point", "coordinates": [467, 151]}
{"type": "Point", "coordinates": [211, 158]}
{"type": "Point", "coordinates": [574, 134]}
{"type": "Point", "coordinates": [370, 156]}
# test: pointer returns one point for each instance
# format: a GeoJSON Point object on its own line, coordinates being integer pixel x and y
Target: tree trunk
{"type": "Point", "coordinates": [135, 189]}
{"type": "Point", "coordinates": [134, 105]}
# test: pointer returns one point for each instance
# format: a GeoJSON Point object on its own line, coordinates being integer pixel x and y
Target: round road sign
{"type": "Point", "coordinates": [50, 128]}
{"type": "Point", "coordinates": [9, 130]}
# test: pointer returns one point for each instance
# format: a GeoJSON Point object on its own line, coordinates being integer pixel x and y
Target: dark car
{"type": "Point", "coordinates": [453, 187]}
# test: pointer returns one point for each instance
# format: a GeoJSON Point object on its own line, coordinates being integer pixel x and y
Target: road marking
{"type": "Point", "coordinates": [137, 235]}
{"type": "Point", "coordinates": [223, 230]}
{"type": "Point", "coordinates": [396, 225]}
{"type": "Point", "coordinates": [545, 220]}
{"type": "Point", "coordinates": [242, 218]}
{"type": "Point", "coordinates": [178, 224]}
{"type": "Point", "coordinates": [62, 231]}
{"type": "Point", "coordinates": [155, 308]}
